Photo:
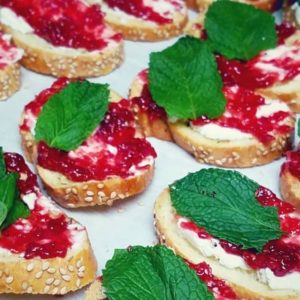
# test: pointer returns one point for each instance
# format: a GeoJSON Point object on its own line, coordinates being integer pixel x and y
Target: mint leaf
{"type": "Point", "coordinates": [151, 273]}
{"type": "Point", "coordinates": [2, 164]}
{"type": "Point", "coordinates": [224, 204]}
{"type": "Point", "coordinates": [184, 80]}
{"type": "Point", "coordinates": [71, 115]}
{"type": "Point", "coordinates": [3, 212]}
{"type": "Point", "coordinates": [19, 210]}
{"type": "Point", "coordinates": [8, 190]}
{"type": "Point", "coordinates": [239, 31]}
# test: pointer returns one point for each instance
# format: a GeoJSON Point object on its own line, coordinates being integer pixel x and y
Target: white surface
{"type": "Point", "coordinates": [129, 222]}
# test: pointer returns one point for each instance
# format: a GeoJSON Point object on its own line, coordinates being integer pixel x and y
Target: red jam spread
{"type": "Point", "coordinates": [32, 109]}
{"type": "Point", "coordinates": [145, 102]}
{"type": "Point", "coordinates": [139, 9]}
{"type": "Point", "coordinates": [69, 23]}
{"type": "Point", "coordinates": [40, 235]}
{"type": "Point", "coordinates": [292, 163]}
{"type": "Point", "coordinates": [261, 72]}
{"type": "Point", "coordinates": [9, 54]}
{"type": "Point", "coordinates": [242, 105]}
{"type": "Point", "coordinates": [282, 256]}
{"type": "Point", "coordinates": [112, 150]}
{"type": "Point", "coordinates": [217, 286]}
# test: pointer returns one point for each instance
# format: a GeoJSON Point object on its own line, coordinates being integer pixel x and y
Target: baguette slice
{"type": "Point", "coordinates": [42, 57]}
{"type": "Point", "coordinates": [95, 291]}
{"type": "Point", "coordinates": [141, 29]}
{"type": "Point", "coordinates": [49, 275]}
{"type": "Point", "coordinates": [152, 124]}
{"type": "Point", "coordinates": [289, 181]}
{"type": "Point", "coordinates": [9, 67]}
{"type": "Point", "coordinates": [73, 194]}
{"type": "Point", "coordinates": [244, 283]}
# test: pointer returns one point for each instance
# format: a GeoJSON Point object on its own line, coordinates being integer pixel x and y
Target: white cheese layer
{"type": "Point", "coordinates": [9, 18]}
{"type": "Point", "coordinates": [216, 132]}
{"type": "Point", "coordinates": [212, 248]}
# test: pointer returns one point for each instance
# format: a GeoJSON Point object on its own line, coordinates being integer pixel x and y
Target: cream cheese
{"type": "Point", "coordinates": [212, 248]}
{"type": "Point", "coordinates": [11, 55]}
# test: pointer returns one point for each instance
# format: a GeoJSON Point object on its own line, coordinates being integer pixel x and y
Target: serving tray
{"type": "Point", "coordinates": [128, 222]}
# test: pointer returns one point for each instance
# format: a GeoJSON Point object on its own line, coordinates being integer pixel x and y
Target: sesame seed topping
{"type": "Point", "coordinates": [45, 266]}
{"type": "Point", "coordinates": [9, 279]}
{"type": "Point", "coordinates": [90, 193]}
{"type": "Point", "coordinates": [46, 289]}
{"type": "Point", "coordinates": [51, 270]}
{"type": "Point", "coordinates": [30, 267]}
{"type": "Point", "coordinates": [39, 274]}
{"type": "Point", "coordinates": [55, 291]}
{"type": "Point", "coordinates": [63, 290]}
{"type": "Point", "coordinates": [81, 269]}
{"type": "Point", "coordinates": [88, 199]}
{"type": "Point", "coordinates": [62, 271]}
{"type": "Point", "coordinates": [71, 268]}
{"type": "Point", "coordinates": [66, 277]}
{"type": "Point", "coordinates": [100, 185]}
{"type": "Point", "coordinates": [56, 282]}
{"type": "Point", "coordinates": [24, 285]}
{"type": "Point", "coordinates": [113, 195]}
{"type": "Point", "coordinates": [49, 280]}
{"type": "Point", "coordinates": [29, 290]}
{"type": "Point", "coordinates": [78, 282]}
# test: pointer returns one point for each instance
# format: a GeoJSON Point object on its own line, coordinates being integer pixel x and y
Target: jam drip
{"type": "Point", "coordinates": [138, 9]}
{"type": "Point", "coordinates": [241, 108]}
{"type": "Point", "coordinates": [282, 256]}
{"type": "Point", "coordinates": [292, 163]}
{"type": "Point", "coordinates": [8, 53]}
{"type": "Point", "coordinates": [217, 286]}
{"type": "Point", "coordinates": [39, 235]}
{"type": "Point", "coordinates": [112, 150]}
{"type": "Point", "coordinates": [27, 182]}
{"type": "Point", "coordinates": [69, 23]}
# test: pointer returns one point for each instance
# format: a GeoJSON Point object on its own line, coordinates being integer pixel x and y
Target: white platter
{"type": "Point", "coordinates": [128, 222]}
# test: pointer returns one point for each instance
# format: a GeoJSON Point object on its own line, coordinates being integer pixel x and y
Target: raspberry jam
{"type": "Point", "coordinates": [32, 109]}
{"type": "Point", "coordinates": [143, 11]}
{"type": "Point", "coordinates": [241, 113]}
{"type": "Point", "coordinates": [9, 54]}
{"type": "Point", "coordinates": [112, 150]}
{"type": "Point", "coordinates": [292, 163]}
{"type": "Point", "coordinates": [69, 23]}
{"type": "Point", "coordinates": [217, 286]}
{"type": "Point", "coordinates": [282, 256]}
{"type": "Point", "coordinates": [41, 234]}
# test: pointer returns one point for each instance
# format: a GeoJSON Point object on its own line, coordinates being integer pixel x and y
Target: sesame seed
{"type": "Point", "coordinates": [80, 274]}
{"type": "Point", "coordinates": [51, 270]}
{"type": "Point", "coordinates": [113, 195]}
{"type": "Point", "coordinates": [24, 285]}
{"type": "Point", "coordinates": [79, 263]}
{"type": "Point", "coordinates": [29, 290]}
{"type": "Point", "coordinates": [9, 279]}
{"type": "Point", "coordinates": [81, 269]}
{"type": "Point", "coordinates": [45, 266]}
{"type": "Point", "coordinates": [62, 271]}
{"type": "Point", "coordinates": [90, 193]}
{"type": "Point", "coordinates": [63, 290]}
{"type": "Point", "coordinates": [88, 199]}
{"type": "Point", "coordinates": [49, 280]}
{"type": "Point", "coordinates": [71, 268]}
{"type": "Point", "coordinates": [56, 282]}
{"type": "Point", "coordinates": [66, 277]}
{"type": "Point", "coordinates": [38, 275]}
{"type": "Point", "coordinates": [74, 191]}
{"type": "Point", "coordinates": [55, 291]}
{"type": "Point", "coordinates": [100, 185]}
{"type": "Point", "coordinates": [30, 267]}
{"type": "Point", "coordinates": [46, 289]}
{"type": "Point", "coordinates": [78, 282]}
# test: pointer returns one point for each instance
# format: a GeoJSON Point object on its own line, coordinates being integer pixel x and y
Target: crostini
{"type": "Point", "coordinates": [151, 20]}
{"type": "Point", "coordinates": [42, 250]}
{"type": "Point", "coordinates": [193, 281]}
{"type": "Point", "coordinates": [242, 230]}
{"type": "Point", "coordinates": [69, 39]}
{"type": "Point", "coordinates": [9, 67]}
{"type": "Point", "coordinates": [113, 162]}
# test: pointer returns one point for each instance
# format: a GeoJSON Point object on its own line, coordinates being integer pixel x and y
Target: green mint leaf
{"type": "Point", "coordinates": [239, 31]}
{"type": "Point", "coordinates": [8, 190]}
{"type": "Point", "coordinates": [19, 210]}
{"type": "Point", "coordinates": [71, 115]}
{"type": "Point", "coordinates": [3, 212]}
{"type": "Point", "coordinates": [2, 164]}
{"type": "Point", "coordinates": [151, 273]}
{"type": "Point", "coordinates": [184, 80]}
{"type": "Point", "coordinates": [224, 204]}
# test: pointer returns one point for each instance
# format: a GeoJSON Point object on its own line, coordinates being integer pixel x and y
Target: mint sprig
{"type": "Point", "coordinates": [238, 30]}
{"type": "Point", "coordinates": [184, 80]}
{"type": "Point", "coordinates": [151, 273]}
{"type": "Point", "coordinates": [71, 115]}
{"type": "Point", "coordinates": [224, 204]}
{"type": "Point", "coordinates": [11, 206]}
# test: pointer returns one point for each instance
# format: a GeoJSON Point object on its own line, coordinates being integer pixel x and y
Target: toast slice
{"type": "Point", "coordinates": [245, 282]}
{"type": "Point", "coordinates": [46, 253]}
{"type": "Point", "coordinates": [151, 118]}
{"type": "Point", "coordinates": [9, 67]}
{"type": "Point", "coordinates": [55, 52]}
{"type": "Point", "coordinates": [153, 21]}
{"type": "Point", "coordinates": [289, 179]}
{"type": "Point", "coordinates": [70, 191]}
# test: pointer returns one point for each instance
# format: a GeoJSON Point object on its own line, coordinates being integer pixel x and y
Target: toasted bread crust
{"type": "Point", "coordinates": [139, 30]}
{"type": "Point", "coordinates": [95, 291]}
{"type": "Point", "coordinates": [192, 4]}
{"type": "Point", "coordinates": [229, 154]}
{"type": "Point", "coordinates": [56, 276]}
{"type": "Point", "coordinates": [290, 188]}
{"type": "Point", "coordinates": [94, 192]}
{"type": "Point", "coordinates": [158, 127]}
{"type": "Point", "coordinates": [244, 283]}
{"type": "Point", "coordinates": [9, 80]}
{"type": "Point", "coordinates": [44, 58]}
